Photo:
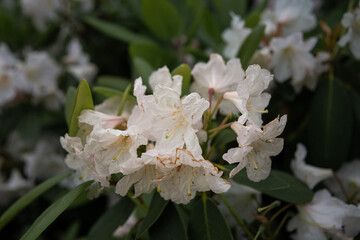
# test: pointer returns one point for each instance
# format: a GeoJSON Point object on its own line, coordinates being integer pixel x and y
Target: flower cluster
{"type": "Point", "coordinates": [37, 75]}
{"type": "Point", "coordinates": [167, 124]}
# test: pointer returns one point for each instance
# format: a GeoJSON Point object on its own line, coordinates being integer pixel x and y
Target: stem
{"type": "Point", "coordinates": [123, 100]}
{"type": "Point", "coordinates": [220, 127]}
{"type": "Point", "coordinates": [217, 105]}
{"type": "Point", "coordinates": [239, 221]}
{"type": "Point", "coordinates": [281, 225]}
{"type": "Point", "coordinates": [280, 211]}
{"type": "Point", "coordinates": [211, 92]}
{"type": "Point", "coordinates": [137, 202]}
{"type": "Point", "coordinates": [261, 229]}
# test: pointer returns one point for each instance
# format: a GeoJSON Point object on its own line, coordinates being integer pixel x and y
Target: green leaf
{"type": "Point", "coordinates": [153, 54]}
{"type": "Point", "coordinates": [161, 17]}
{"type": "Point", "coordinates": [53, 212]}
{"type": "Point", "coordinates": [197, 8]}
{"type": "Point", "coordinates": [83, 100]}
{"type": "Point", "coordinates": [111, 92]}
{"type": "Point", "coordinates": [29, 197]}
{"type": "Point", "coordinates": [250, 45]}
{"type": "Point", "coordinates": [212, 32]}
{"type": "Point", "coordinates": [224, 137]}
{"type": "Point", "coordinates": [279, 185]}
{"type": "Point", "coordinates": [252, 20]}
{"type": "Point", "coordinates": [207, 222]}
{"type": "Point", "coordinates": [171, 221]}
{"type": "Point", "coordinates": [112, 219]}
{"type": "Point", "coordinates": [117, 83]}
{"type": "Point", "coordinates": [69, 103]}
{"type": "Point", "coordinates": [330, 125]}
{"type": "Point", "coordinates": [143, 69]}
{"type": "Point", "coordinates": [115, 31]}
{"type": "Point", "coordinates": [185, 71]}
{"type": "Point", "coordinates": [225, 7]}
{"type": "Point", "coordinates": [157, 206]}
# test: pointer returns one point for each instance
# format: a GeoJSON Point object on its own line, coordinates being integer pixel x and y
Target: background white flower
{"type": "Point", "coordinates": [234, 36]}
{"type": "Point", "coordinates": [309, 174]}
{"type": "Point", "coordinates": [351, 21]}
{"type": "Point", "coordinates": [289, 16]}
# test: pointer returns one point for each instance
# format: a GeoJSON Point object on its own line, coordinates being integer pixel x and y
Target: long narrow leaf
{"type": "Point", "coordinates": [53, 212]}
{"type": "Point", "coordinates": [116, 31]}
{"type": "Point", "coordinates": [29, 197]}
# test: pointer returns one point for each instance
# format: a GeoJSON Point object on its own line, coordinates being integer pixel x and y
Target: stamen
{"type": "Point", "coordinates": [176, 127]}
{"type": "Point", "coordinates": [100, 189]}
{"type": "Point", "coordinates": [124, 145]}
{"type": "Point", "coordinates": [253, 160]}
{"type": "Point", "coordinates": [259, 111]}
{"type": "Point", "coordinates": [192, 173]}
{"type": "Point", "coordinates": [83, 175]}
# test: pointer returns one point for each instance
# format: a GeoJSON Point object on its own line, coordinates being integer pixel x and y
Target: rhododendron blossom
{"type": "Point", "coordinates": [256, 145]}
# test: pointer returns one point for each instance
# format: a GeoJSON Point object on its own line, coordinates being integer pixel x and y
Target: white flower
{"type": "Point", "coordinates": [235, 36]}
{"type": "Point", "coordinates": [325, 214]}
{"type": "Point", "coordinates": [41, 11]}
{"type": "Point", "coordinates": [349, 175]}
{"type": "Point", "coordinates": [46, 160]}
{"type": "Point", "coordinates": [78, 62]}
{"type": "Point", "coordinates": [177, 175]}
{"type": "Point", "coordinates": [13, 187]}
{"type": "Point", "coordinates": [170, 120]}
{"type": "Point", "coordinates": [311, 79]}
{"type": "Point", "coordinates": [292, 57]}
{"type": "Point", "coordinates": [255, 148]}
{"type": "Point", "coordinates": [311, 175]}
{"type": "Point", "coordinates": [162, 76]}
{"type": "Point", "coordinates": [217, 77]}
{"type": "Point", "coordinates": [41, 73]}
{"type": "Point", "coordinates": [11, 77]}
{"type": "Point", "coordinates": [289, 16]}
{"type": "Point", "coordinates": [351, 21]}
{"type": "Point", "coordinates": [249, 97]}
{"type": "Point", "coordinates": [86, 150]}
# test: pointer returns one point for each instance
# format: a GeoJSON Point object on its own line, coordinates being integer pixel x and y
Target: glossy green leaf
{"type": "Point", "coordinates": [53, 212]}
{"type": "Point", "coordinates": [250, 45]}
{"type": "Point", "coordinates": [29, 197]}
{"type": "Point", "coordinates": [279, 185]}
{"type": "Point", "coordinates": [207, 222]}
{"type": "Point", "coordinates": [111, 92]}
{"type": "Point", "coordinates": [155, 55]}
{"type": "Point", "coordinates": [161, 17]}
{"type": "Point", "coordinates": [171, 221]}
{"type": "Point", "coordinates": [112, 219]}
{"type": "Point", "coordinates": [83, 100]}
{"type": "Point", "coordinates": [185, 71]}
{"type": "Point", "coordinates": [330, 125]}
{"type": "Point", "coordinates": [157, 206]}
{"type": "Point", "coordinates": [69, 103]}
{"type": "Point", "coordinates": [116, 31]}
{"type": "Point", "coordinates": [117, 83]}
